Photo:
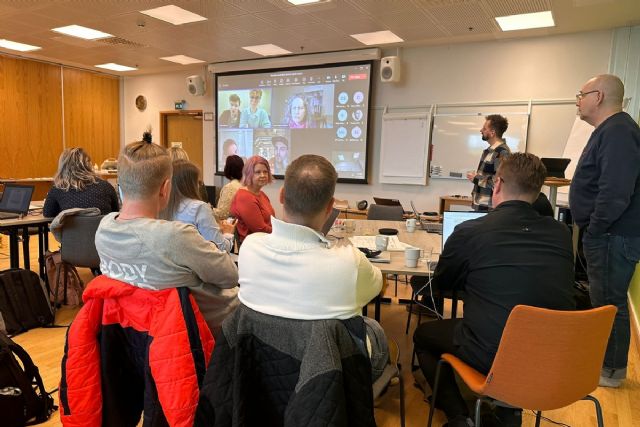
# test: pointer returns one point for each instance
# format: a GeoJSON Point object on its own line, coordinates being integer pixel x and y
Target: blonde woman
{"type": "Point", "coordinates": [75, 185]}
{"type": "Point", "coordinates": [233, 172]}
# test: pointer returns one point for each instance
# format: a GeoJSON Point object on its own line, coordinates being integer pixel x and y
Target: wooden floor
{"type": "Point", "coordinates": [621, 406]}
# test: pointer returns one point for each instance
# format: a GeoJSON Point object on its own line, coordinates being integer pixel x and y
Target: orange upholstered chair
{"type": "Point", "coordinates": [547, 359]}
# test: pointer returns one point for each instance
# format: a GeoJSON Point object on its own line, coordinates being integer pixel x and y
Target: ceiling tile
{"type": "Point", "coordinates": [457, 18]}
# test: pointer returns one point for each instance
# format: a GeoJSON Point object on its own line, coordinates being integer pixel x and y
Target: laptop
{"type": "Point", "coordinates": [387, 202]}
{"type": "Point", "coordinates": [429, 227]}
{"type": "Point", "coordinates": [329, 223]}
{"type": "Point", "coordinates": [450, 219]}
{"type": "Point", "coordinates": [15, 200]}
{"type": "Point", "coordinates": [555, 166]}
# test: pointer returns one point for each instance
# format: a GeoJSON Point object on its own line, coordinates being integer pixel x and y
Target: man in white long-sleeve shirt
{"type": "Point", "coordinates": [294, 272]}
{"type": "Point", "coordinates": [137, 248]}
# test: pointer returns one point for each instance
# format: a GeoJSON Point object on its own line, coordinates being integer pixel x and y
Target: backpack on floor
{"type": "Point", "coordinates": [23, 399]}
{"type": "Point", "coordinates": [23, 301]}
{"type": "Point", "coordinates": [56, 272]}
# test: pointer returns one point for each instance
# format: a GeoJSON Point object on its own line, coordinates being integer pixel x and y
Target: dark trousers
{"type": "Point", "coordinates": [431, 340]}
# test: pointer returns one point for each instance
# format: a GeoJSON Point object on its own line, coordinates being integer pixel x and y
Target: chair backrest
{"type": "Point", "coordinates": [548, 359]}
{"type": "Point", "coordinates": [388, 213]}
{"type": "Point", "coordinates": [78, 246]}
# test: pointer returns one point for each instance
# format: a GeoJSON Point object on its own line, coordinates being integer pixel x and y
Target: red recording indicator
{"type": "Point", "coordinates": [362, 76]}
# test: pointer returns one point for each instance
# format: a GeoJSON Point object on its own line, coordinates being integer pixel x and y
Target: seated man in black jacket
{"type": "Point", "coordinates": [510, 256]}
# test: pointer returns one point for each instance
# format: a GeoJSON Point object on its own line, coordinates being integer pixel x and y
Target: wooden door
{"type": "Point", "coordinates": [184, 127]}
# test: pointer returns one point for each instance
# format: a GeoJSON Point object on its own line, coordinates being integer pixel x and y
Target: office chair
{"type": "Point", "coordinates": [547, 359]}
{"type": "Point", "coordinates": [77, 248]}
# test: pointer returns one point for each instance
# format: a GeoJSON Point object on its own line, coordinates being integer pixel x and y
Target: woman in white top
{"type": "Point", "coordinates": [232, 171]}
{"type": "Point", "coordinates": [185, 206]}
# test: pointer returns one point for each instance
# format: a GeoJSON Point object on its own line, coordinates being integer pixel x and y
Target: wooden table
{"type": "Point", "coordinates": [419, 238]}
{"type": "Point", "coordinates": [349, 213]}
{"type": "Point", "coordinates": [553, 184]}
{"type": "Point", "coordinates": [13, 228]}
{"type": "Point", "coordinates": [447, 201]}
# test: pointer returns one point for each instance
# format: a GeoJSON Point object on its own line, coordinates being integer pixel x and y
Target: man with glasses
{"type": "Point", "coordinates": [605, 204]}
{"type": "Point", "coordinates": [494, 127]}
{"type": "Point", "coordinates": [253, 116]}
{"type": "Point", "coordinates": [508, 257]}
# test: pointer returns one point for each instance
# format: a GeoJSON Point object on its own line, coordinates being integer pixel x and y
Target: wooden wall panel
{"type": "Point", "coordinates": [92, 113]}
{"type": "Point", "coordinates": [30, 118]}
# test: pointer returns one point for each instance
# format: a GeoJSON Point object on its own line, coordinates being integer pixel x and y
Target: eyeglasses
{"type": "Point", "coordinates": [255, 97]}
{"type": "Point", "coordinates": [581, 95]}
{"type": "Point", "coordinates": [500, 178]}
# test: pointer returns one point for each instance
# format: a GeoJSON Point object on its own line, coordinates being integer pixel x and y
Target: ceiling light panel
{"type": "Point", "coordinates": [526, 21]}
{"type": "Point", "coordinates": [182, 59]}
{"type": "Point", "coordinates": [116, 67]}
{"type": "Point", "coordinates": [266, 49]}
{"type": "Point", "coordinates": [22, 47]}
{"type": "Point", "coordinates": [173, 14]}
{"type": "Point", "coordinates": [81, 32]}
{"type": "Point", "coordinates": [301, 2]}
{"type": "Point", "coordinates": [377, 37]}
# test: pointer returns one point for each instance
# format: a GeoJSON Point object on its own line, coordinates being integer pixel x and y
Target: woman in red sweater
{"type": "Point", "coordinates": [250, 205]}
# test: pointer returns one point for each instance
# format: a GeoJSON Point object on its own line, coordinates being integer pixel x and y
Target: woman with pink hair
{"type": "Point", "coordinates": [250, 205]}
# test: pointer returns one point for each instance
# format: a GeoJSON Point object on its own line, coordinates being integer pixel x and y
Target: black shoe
{"type": "Point", "coordinates": [459, 421]}
{"type": "Point", "coordinates": [508, 417]}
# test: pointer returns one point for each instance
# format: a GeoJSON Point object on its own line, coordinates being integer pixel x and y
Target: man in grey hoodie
{"type": "Point", "coordinates": [137, 248]}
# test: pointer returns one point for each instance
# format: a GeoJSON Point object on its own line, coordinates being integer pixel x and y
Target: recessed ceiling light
{"type": "Point", "coordinates": [82, 32]}
{"type": "Point", "coordinates": [300, 2]}
{"type": "Point", "coordinates": [182, 59]}
{"type": "Point", "coordinates": [116, 67]}
{"type": "Point", "coordinates": [377, 37]}
{"type": "Point", "coordinates": [22, 47]}
{"type": "Point", "coordinates": [173, 14]}
{"type": "Point", "coordinates": [266, 49]}
{"type": "Point", "coordinates": [526, 21]}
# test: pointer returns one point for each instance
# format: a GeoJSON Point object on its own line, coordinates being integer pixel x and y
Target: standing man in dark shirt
{"type": "Point", "coordinates": [605, 203]}
{"type": "Point", "coordinates": [508, 257]}
{"type": "Point", "coordinates": [494, 127]}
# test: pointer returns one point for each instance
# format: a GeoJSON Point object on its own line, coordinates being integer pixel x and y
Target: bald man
{"type": "Point", "coordinates": [605, 203]}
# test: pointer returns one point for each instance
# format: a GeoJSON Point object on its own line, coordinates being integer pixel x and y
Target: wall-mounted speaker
{"type": "Point", "coordinates": [195, 85]}
{"type": "Point", "coordinates": [390, 69]}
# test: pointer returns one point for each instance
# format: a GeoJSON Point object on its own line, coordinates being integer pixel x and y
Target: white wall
{"type": "Point", "coordinates": [507, 70]}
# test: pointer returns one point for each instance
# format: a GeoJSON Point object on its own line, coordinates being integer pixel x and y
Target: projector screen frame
{"type": "Point", "coordinates": [368, 143]}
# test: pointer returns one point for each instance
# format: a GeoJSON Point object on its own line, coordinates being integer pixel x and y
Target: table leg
{"type": "Point", "coordinates": [553, 195]}
{"type": "Point", "coordinates": [14, 255]}
{"type": "Point", "coordinates": [25, 248]}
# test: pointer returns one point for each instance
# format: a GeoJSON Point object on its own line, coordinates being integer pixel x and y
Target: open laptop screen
{"type": "Point", "coordinates": [16, 198]}
{"type": "Point", "coordinates": [451, 219]}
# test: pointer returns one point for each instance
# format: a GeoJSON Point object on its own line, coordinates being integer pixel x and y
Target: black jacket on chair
{"type": "Point", "coordinates": [272, 371]}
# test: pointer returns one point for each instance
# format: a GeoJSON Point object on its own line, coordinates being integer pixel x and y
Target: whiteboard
{"type": "Point", "coordinates": [404, 148]}
{"type": "Point", "coordinates": [457, 144]}
{"type": "Point", "coordinates": [580, 133]}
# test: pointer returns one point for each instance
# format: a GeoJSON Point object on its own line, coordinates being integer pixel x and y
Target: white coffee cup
{"type": "Point", "coordinates": [382, 242]}
{"type": "Point", "coordinates": [411, 256]}
{"type": "Point", "coordinates": [411, 225]}
{"type": "Point", "coordinates": [349, 225]}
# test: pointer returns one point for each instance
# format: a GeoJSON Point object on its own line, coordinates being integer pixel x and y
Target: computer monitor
{"type": "Point", "coordinates": [451, 219]}
{"type": "Point", "coordinates": [555, 167]}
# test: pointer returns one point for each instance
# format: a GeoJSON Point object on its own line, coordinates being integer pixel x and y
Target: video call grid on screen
{"type": "Point", "coordinates": [282, 114]}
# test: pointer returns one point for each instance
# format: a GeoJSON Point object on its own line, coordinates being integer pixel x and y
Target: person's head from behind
{"type": "Point", "coordinates": [281, 146]}
{"type": "Point", "coordinates": [233, 167]}
{"type": "Point", "coordinates": [234, 103]}
{"type": "Point", "coordinates": [600, 97]}
{"type": "Point", "coordinates": [178, 153]}
{"type": "Point", "coordinates": [229, 147]}
{"type": "Point", "coordinates": [256, 173]}
{"type": "Point", "coordinates": [298, 110]}
{"type": "Point", "coordinates": [184, 185]}
{"type": "Point", "coordinates": [254, 98]}
{"type": "Point", "coordinates": [144, 175]}
{"type": "Point", "coordinates": [74, 170]}
{"type": "Point", "coordinates": [307, 193]}
{"type": "Point", "coordinates": [494, 126]}
{"type": "Point", "coordinates": [519, 177]}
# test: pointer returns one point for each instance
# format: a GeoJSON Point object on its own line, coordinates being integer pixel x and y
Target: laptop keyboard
{"type": "Point", "coordinates": [432, 227]}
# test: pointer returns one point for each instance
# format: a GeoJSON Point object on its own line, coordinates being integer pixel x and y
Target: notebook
{"type": "Point", "coordinates": [451, 219]}
{"type": "Point", "coordinates": [15, 200]}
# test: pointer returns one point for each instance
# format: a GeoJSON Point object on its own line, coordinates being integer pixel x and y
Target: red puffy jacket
{"type": "Point", "coordinates": [131, 349]}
